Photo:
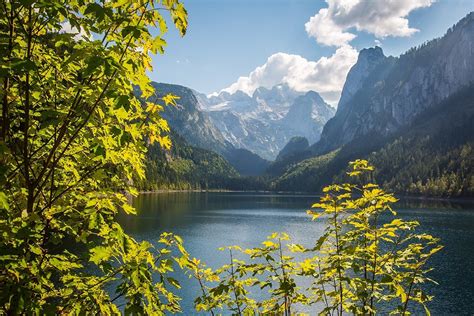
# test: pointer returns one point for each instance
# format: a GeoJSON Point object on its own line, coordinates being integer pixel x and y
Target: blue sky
{"type": "Point", "coordinates": [228, 39]}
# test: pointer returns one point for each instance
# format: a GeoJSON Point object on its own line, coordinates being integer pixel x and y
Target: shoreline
{"type": "Point", "coordinates": [401, 196]}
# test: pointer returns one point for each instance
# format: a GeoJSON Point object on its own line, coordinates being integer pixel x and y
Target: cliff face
{"type": "Point", "coordinates": [384, 94]}
{"type": "Point", "coordinates": [368, 60]}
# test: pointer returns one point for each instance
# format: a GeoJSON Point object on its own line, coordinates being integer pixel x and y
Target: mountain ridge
{"type": "Point", "coordinates": [264, 122]}
{"type": "Point", "coordinates": [394, 90]}
{"type": "Point", "coordinates": [412, 116]}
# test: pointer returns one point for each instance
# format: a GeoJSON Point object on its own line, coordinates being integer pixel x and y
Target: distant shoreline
{"type": "Point", "coordinates": [401, 196]}
{"type": "Point", "coordinates": [224, 191]}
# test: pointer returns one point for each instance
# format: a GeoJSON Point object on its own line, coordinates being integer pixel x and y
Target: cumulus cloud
{"type": "Point", "coordinates": [382, 18]}
{"type": "Point", "coordinates": [333, 26]}
{"type": "Point", "coordinates": [79, 34]}
{"type": "Point", "coordinates": [325, 76]}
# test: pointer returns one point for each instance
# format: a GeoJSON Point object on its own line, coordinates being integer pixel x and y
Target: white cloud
{"type": "Point", "coordinates": [79, 35]}
{"type": "Point", "coordinates": [333, 26]}
{"type": "Point", "coordinates": [330, 26]}
{"type": "Point", "coordinates": [326, 76]}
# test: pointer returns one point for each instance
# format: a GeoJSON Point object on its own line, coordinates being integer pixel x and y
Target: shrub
{"type": "Point", "coordinates": [363, 264]}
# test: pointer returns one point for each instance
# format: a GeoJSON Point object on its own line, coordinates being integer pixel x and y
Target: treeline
{"type": "Point", "coordinates": [414, 168]}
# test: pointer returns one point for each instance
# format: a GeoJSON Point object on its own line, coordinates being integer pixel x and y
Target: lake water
{"type": "Point", "coordinates": [207, 221]}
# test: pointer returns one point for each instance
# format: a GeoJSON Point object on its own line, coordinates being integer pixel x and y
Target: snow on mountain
{"type": "Point", "coordinates": [264, 122]}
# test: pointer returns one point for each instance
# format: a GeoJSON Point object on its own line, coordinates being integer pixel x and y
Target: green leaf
{"type": "Point", "coordinates": [4, 201]}
{"type": "Point", "coordinates": [173, 282]}
{"type": "Point", "coordinates": [99, 254]}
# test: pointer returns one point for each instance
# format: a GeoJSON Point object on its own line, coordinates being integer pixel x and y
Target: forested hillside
{"type": "Point", "coordinates": [434, 156]}
{"type": "Point", "coordinates": [185, 167]}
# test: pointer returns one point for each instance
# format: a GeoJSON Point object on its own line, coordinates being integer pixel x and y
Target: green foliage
{"type": "Point", "coordinates": [363, 264]}
{"type": "Point", "coordinates": [367, 262]}
{"type": "Point", "coordinates": [72, 142]}
{"type": "Point", "coordinates": [185, 167]}
{"type": "Point", "coordinates": [296, 176]}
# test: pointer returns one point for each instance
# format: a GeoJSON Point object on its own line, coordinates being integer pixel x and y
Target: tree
{"type": "Point", "coordinates": [72, 141]}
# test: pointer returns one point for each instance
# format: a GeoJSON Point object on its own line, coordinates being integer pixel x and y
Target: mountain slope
{"type": "Point", "coordinates": [247, 163]}
{"type": "Point", "coordinates": [411, 116]}
{"type": "Point", "coordinates": [185, 167]}
{"type": "Point", "coordinates": [295, 146]}
{"type": "Point", "coordinates": [189, 122]}
{"type": "Point", "coordinates": [433, 156]}
{"type": "Point", "coordinates": [384, 94]}
{"type": "Point", "coordinates": [264, 122]}
{"type": "Point", "coordinates": [194, 125]}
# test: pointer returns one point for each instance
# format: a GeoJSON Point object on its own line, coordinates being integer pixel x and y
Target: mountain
{"type": "Point", "coordinates": [384, 94]}
{"type": "Point", "coordinates": [295, 146]}
{"type": "Point", "coordinates": [244, 128]}
{"type": "Point", "coordinates": [264, 122]}
{"type": "Point", "coordinates": [307, 116]}
{"type": "Point", "coordinates": [190, 122]}
{"type": "Point", "coordinates": [247, 163]}
{"type": "Point", "coordinates": [187, 120]}
{"type": "Point", "coordinates": [433, 156]}
{"type": "Point", "coordinates": [186, 167]}
{"type": "Point", "coordinates": [412, 116]}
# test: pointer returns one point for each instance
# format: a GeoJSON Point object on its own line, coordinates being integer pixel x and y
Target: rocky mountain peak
{"type": "Point", "coordinates": [368, 59]}
{"type": "Point", "coordinates": [264, 122]}
{"type": "Point", "coordinates": [371, 54]}
{"type": "Point", "coordinates": [383, 95]}
{"type": "Point", "coordinates": [313, 95]}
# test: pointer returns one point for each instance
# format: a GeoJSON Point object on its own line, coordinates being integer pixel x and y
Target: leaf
{"type": "Point", "coordinates": [268, 243]}
{"type": "Point", "coordinates": [170, 99]}
{"type": "Point", "coordinates": [128, 209]}
{"type": "Point", "coordinates": [99, 254]}
{"type": "Point", "coordinates": [96, 10]}
{"type": "Point", "coordinates": [4, 201]}
{"type": "Point", "coordinates": [24, 66]}
{"type": "Point", "coordinates": [173, 282]}
{"type": "Point", "coordinates": [401, 293]}
{"type": "Point", "coordinates": [180, 18]}
{"type": "Point", "coordinates": [36, 250]}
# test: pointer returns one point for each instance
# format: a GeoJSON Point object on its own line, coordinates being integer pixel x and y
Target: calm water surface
{"type": "Point", "coordinates": [207, 221]}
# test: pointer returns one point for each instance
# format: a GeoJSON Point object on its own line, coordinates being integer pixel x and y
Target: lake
{"type": "Point", "coordinates": [207, 221]}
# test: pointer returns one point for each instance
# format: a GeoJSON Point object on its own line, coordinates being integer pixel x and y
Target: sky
{"type": "Point", "coordinates": [308, 44]}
